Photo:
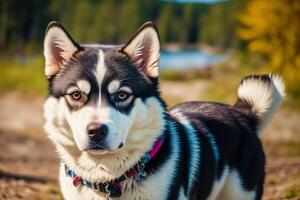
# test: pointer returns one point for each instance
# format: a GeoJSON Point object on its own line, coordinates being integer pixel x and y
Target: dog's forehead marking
{"type": "Point", "coordinates": [100, 70]}
{"type": "Point", "coordinates": [84, 86]}
{"type": "Point", "coordinates": [113, 86]}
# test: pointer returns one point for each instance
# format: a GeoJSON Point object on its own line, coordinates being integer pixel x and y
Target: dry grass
{"type": "Point", "coordinates": [25, 75]}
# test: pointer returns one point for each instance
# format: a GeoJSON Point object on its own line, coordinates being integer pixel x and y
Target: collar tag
{"type": "Point", "coordinates": [76, 181]}
{"type": "Point", "coordinates": [140, 175]}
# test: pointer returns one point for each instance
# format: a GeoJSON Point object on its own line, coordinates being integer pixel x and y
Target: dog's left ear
{"type": "Point", "coordinates": [143, 49]}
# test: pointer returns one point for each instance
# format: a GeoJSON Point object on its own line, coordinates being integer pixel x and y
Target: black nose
{"type": "Point", "coordinates": [97, 134]}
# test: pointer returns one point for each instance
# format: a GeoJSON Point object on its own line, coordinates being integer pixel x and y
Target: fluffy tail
{"type": "Point", "coordinates": [260, 96]}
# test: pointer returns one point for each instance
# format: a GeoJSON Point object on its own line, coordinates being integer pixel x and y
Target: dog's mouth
{"type": "Point", "coordinates": [98, 148]}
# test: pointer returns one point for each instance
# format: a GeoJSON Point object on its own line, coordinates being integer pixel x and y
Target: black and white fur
{"type": "Point", "coordinates": [211, 150]}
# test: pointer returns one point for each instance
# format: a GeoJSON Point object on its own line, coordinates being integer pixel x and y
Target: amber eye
{"type": "Point", "coordinates": [76, 95]}
{"type": "Point", "coordinates": [122, 96]}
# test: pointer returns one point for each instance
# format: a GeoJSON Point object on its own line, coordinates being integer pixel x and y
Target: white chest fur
{"type": "Point", "coordinates": [154, 187]}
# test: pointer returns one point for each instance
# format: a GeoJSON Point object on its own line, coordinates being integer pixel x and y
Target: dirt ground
{"type": "Point", "coordinates": [29, 164]}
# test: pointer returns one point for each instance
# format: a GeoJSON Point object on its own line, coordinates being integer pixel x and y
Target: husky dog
{"type": "Point", "coordinates": [117, 139]}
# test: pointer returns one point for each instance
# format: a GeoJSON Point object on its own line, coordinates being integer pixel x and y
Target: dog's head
{"type": "Point", "coordinates": [102, 97]}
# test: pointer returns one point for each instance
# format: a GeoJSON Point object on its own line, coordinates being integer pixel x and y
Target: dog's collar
{"type": "Point", "coordinates": [114, 188]}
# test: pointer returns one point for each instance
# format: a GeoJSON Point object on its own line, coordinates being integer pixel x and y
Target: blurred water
{"type": "Point", "coordinates": [188, 59]}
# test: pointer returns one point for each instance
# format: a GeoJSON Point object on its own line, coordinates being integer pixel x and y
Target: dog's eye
{"type": "Point", "coordinates": [121, 96]}
{"type": "Point", "coordinates": [76, 95]}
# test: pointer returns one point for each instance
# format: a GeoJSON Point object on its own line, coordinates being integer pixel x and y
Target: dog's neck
{"type": "Point", "coordinates": [134, 173]}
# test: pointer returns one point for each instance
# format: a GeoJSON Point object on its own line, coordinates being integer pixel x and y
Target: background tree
{"type": "Point", "coordinates": [272, 31]}
{"type": "Point", "coordinates": [218, 24]}
{"type": "Point", "coordinates": [22, 23]}
{"type": "Point", "coordinates": [164, 23]}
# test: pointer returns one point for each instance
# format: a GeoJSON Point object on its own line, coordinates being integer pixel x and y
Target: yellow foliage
{"type": "Point", "coordinates": [272, 29]}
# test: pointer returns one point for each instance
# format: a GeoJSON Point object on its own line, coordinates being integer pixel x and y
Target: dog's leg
{"type": "Point", "coordinates": [233, 189]}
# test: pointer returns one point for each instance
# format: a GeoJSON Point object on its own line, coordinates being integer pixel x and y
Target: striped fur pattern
{"type": "Point", "coordinates": [211, 151]}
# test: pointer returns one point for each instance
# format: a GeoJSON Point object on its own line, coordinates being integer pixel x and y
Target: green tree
{"type": "Point", "coordinates": [129, 19]}
{"type": "Point", "coordinates": [165, 22]}
{"type": "Point", "coordinates": [218, 24]}
{"type": "Point", "coordinates": [188, 23]}
{"type": "Point", "coordinates": [82, 21]}
{"type": "Point", "coordinates": [104, 28]}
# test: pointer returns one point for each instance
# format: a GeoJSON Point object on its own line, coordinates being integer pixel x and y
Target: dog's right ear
{"type": "Point", "coordinates": [59, 47]}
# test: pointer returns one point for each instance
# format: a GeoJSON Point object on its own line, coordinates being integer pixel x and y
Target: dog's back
{"type": "Point", "coordinates": [224, 157]}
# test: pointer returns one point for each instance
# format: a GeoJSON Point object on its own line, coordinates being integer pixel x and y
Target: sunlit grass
{"type": "Point", "coordinates": [292, 192]}
{"type": "Point", "coordinates": [283, 149]}
{"type": "Point", "coordinates": [23, 75]}
{"type": "Point", "coordinates": [185, 75]}
{"type": "Point", "coordinates": [227, 76]}
{"type": "Point", "coordinates": [53, 189]}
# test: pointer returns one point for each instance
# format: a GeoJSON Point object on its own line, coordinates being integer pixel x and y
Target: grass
{"type": "Point", "coordinates": [53, 189]}
{"type": "Point", "coordinates": [292, 192]}
{"type": "Point", "coordinates": [23, 75]}
{"type": "Point", "coordinates": [185, 75]}
{"type": "Point", "coordinates": [227, 76]}
{"type": "Point", "coordinates": [283, 149]}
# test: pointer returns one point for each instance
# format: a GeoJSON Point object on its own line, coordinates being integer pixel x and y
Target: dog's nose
{"type": "Point", "coordinates": [97, 133]}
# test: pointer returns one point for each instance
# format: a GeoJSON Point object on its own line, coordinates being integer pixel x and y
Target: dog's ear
{"type": "Point", "coordinates": [143, 49]}
{"type": "Point", "coordinates": [58, 48]}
